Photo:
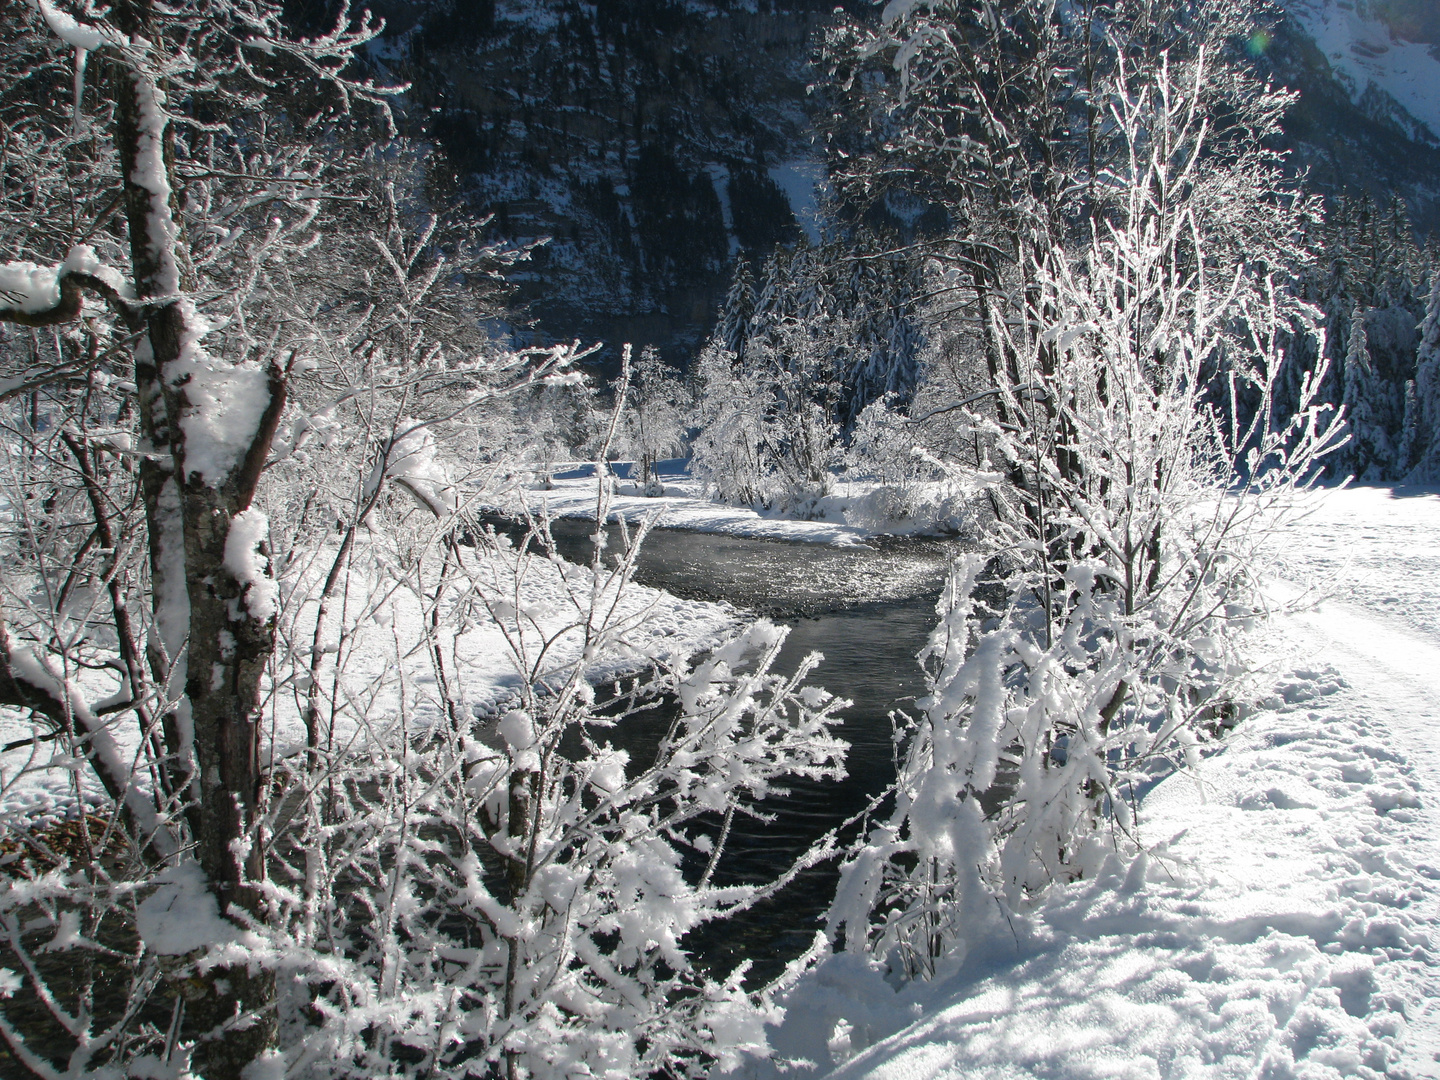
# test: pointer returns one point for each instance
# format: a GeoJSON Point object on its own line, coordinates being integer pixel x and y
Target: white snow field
{"type": "Point", "coordinates": [1284, 925]}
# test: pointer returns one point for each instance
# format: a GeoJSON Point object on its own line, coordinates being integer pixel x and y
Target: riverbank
{"type": "Point", "coordinates": [854, 512]}
{"type": "Point", "coordinates": [1284, 923]}
{"type": "Point", "coordinates": [386, 655]}
{"type": "Point", "coordinates": [1280, 925]}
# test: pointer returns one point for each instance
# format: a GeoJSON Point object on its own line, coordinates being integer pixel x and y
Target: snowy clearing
{"type": "Point", "coordinates": [1284, 925]}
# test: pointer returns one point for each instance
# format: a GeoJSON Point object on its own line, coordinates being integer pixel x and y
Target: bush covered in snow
{"type": "Point", "coordinates": [1128, 454]}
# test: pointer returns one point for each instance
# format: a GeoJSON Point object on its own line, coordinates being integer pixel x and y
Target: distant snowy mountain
{"type": "Point", "coordinates": [1383, 72]}
{"type": "Point", "coordinates": [1367, 121]}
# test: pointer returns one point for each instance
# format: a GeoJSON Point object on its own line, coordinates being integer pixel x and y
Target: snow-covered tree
{"type": "Point", "coordinates": [737, 309]}
{"type": "Point", "coordinates": [502, 897]}
{"type": "Point", "coordinates": [831, 330]}
{"type": "Point", "coordinates": [882, 298]}
{"type": "Point", "coordinates": [1410, 438]}
{"type": "Point", "coordinates": [794, 362]}
{"type": "Point", "coordinates": [1427, 390]}
{"type": "Point", "coordinates": [1366, 256]}
{"type": "Point", "coordinates": [889, 450]}
{"type": "Point", "coordinates": [553, 425]}
{"type": "Point", "coordinates": [729, 451]}
{"type": "Point", "coordinates": [1092, 642]}
{"type": "Point", "coordinates": [860, 295]}
{"type": "Point", "coordinates": [992, 113]}
{"type": "Point", "coordinates": [510, 898]}
{"type": "Point", "coordinates": [1369, 453]}
{"type": "Point", "coordinates": [206, 195]}
{"type": "Point", "coordinates": [765, 422]}
{"type": "Point", "coordinates": [884, 446]}
{"type": "Point", "coordinates": [656, 420]}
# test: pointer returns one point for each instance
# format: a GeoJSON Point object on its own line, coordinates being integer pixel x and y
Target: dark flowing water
{"type": "Point", "coordinates": [869, 610]}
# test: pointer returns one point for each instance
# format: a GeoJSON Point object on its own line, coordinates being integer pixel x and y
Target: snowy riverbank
{"type": "Point", "coordinates": [853, 512]}
{"type": "Point", "coordinates": [386, 659]}
{"type": "Point", "coordinates": [1285, 924]}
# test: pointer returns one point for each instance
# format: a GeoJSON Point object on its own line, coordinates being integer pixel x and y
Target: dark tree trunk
{"type": "Point", "coordinates": [229, 1012]}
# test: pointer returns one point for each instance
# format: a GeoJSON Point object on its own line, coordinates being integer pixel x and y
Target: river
{"type": "Point", "coordinates": [868, 610]}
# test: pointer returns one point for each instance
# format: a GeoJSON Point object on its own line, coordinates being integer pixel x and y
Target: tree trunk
{"type": "Point", "coordinates": [221, 658]}
{"type": "Point", "coordinates": [227, 658]}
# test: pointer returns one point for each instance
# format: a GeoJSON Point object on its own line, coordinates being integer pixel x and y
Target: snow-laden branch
{"type": "Point", "coordinates": [27, 682]}
{"type": "Point", "coordinates": [38, 295]}
{"type": "Point", "coordinates": [76, 34]}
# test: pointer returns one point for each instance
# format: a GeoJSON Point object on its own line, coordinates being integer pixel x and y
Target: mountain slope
{"type": "Point", "coordinates": [651, 140]}
{"type": "Point", "coordinates": [655, 140]}
{"type": "Point", "coordinates": [1369, 106]}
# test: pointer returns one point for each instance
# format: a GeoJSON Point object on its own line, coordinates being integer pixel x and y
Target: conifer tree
{"type": "Point", "coordinates": [1368, 454]}
{"type": "Point", "coordinates": [739, 306]}
{"type": "Point", "coordinates": [1427, 390]}
{"type": "Point", "coordinates": [1409, 432]}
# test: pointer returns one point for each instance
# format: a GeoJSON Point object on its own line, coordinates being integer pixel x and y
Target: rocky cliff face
{"type": "Point", "coordinates": [656, 141]}
{"type": "Point", "coordinates": [652, 141]}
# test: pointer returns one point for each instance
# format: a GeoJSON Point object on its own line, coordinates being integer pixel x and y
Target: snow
{"type": "Point", "coordinates": [802, 180]}
{"type": "Point", "coordinates": [720, 180]}
{"type": "Point", "coordinates": [83, 260]}
{"type": "Point", "coordinates": [63, 26]}
{"type": "Point", "coordinates": [181, 916]}
{"type": "Point", "coordinates": [1363, 50]}
{"type": "Point", "coordinates": [248, 530]}
{"type": "Point", "coordinates": [24, 773]}
{"type": "Point", "coordinates": [896, 10]}
{"type": "Point", "coordinates": [572, 494]}
{"type": "Point", "coordinates": [37, 781]}
{"type": "Point", "coordinates": [268, 1066]}
{"type": "Point", "coordinates": [29, 287]}
{"type": "Point", "coordinates": [151, 174]}
{"type": "Point", "coordinates": [1283, 923]}
{"type": "Point", "coordinates": [535, 16]}
{"type": "Point", "coordinates": [855, 512]}
{"type": "Point", "coordinates": [224, 403]}
{"type": "Point", "coordinates": [1281, 926]}
{"type": "Point", "coordinates": [413, 464]}
{"type": "Point", "coordinates": [657, 625]}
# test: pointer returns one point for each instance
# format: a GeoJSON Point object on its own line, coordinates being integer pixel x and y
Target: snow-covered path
{"type": "Point", "coordinates": [1382, 631]}
{"type": "Point", "coordinates": [1394, 692]}
{"type": "Point", "coordinates": [1290, 926]}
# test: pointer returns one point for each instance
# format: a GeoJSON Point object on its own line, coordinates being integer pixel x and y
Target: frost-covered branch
{"type": "Point", "coordinates": [51, 295]}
